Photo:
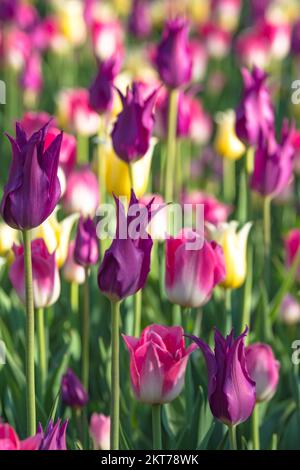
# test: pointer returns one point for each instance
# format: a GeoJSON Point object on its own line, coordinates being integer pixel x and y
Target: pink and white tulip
{"type": "Point", "coordinates": [82, 192]}
{"type": "Point", "coordinates": [100, 431]}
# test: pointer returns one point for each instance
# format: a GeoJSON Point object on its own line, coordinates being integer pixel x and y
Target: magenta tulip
{"type": "Point", "coordinates": [54, 438]}
{"type": "Point", "coordinates": [292, 245]}
{"type": "Point", "coordinates": [45, 275]}
{"type": "Point", "coordinates": [263, 368]}
{"type": "Point", "coordinates": [140, 19]}
{"type": "Point", "coordinates": [72, 391]}
{"type": "Point", "coordinates": [158, 360]}
{"type": "Point", "coordinates": [192, 271]}
{"type": "Point", "coordinates": [33, 187]}
{"type": "Point", "coordinates": [231, 391]}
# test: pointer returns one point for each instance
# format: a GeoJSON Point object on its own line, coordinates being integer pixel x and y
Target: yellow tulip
{"type": "Point", "coordinates": [56, 235]}
{"type": "Point", "coordinates": [8, 236]}
{"type": "Point", "coordinates": [71, 21]}
{"type": "Point", "coordinates": [227, 144]}
{"type": "Point", "coordinates": [117, 177]}
{"type": "Point", "coordinates": [234, 246]}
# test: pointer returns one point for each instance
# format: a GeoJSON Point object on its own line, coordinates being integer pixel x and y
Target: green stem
{"type": "Point", "coordinates": [228, 313]}
{"type": "Point", "coordinates": [42, 355]}
{"type": "Point", "coordinates": [86, 331]}
{"type": "Point", "coordinates": [171, 145]}
{"type": "Point", "coordinates": [74, 297]}
{"type": "Point", "coordinates": [137, 313]}
{"type": "Point", "coordinates": [229, 182]}
{"type": "Point", "coordinates": [246, 315]}
{"type": "Point", "coordinates": [255, 428]}
{"type": "Point", "coordinates": [30, 379]}
{"type": "Point", "coordinates": [115, 376]}
{"type": "Point", "coordinates": [232, 437]}
{"type": "Point", "coordinates": [267, 225]}
{"type": "Point", "coordinates": [156, 427]}
{"type": "Point", "coordinates": [83, 148]}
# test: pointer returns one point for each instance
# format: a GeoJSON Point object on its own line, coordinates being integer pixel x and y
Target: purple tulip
{"type": "Point", "coordinates": [101, 90]}
{"type": "Point", "coordinates": [32, 77]}
{"type": "Point", "coordinates": [86, 251]}
{"type": "Point", "coordinates": [33, 187]}
{"type": "Point", "coordinates": [8, 10]}
{"type": "Point", "coordinates": [231, 391]}
{"type": "Point", "coordinates": [54, 438]}
{"type": "Point", "coordinates": [73, 392]}
{"type": "Point", "coordinates": [126, 263]}
{"type": "Point", "coordinates": [255, 113]}
{"type": "Point", "coordinates": [140, 19]}
{"type": "Point", "coordinates": [273, 164]}
{"type": "Point", "coordinates": [132, 131]}
{"type": "Point", "coordinates": [263, 369]}
{"type": "Point", "coordinates": [296, 38]}
{"type": "Point", "coordinates": [173, 56]}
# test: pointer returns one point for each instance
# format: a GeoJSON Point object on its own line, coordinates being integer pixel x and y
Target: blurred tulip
{"type": "Point", "coordinates": [158, 360]}
{"type": "Point", "coordinates": [199, 60]}
{"type": "Point", "coordinates": [56, 235]}
{"type": "Point", "coordinates": [33, 188]}
{"type": "Point", "coordinates": [71, 21]}
{"type": "Point", "coordinates": [8, 237]}
{"type": "Point", "coordinates": [278, 35]}
{"type": "Point", "coordinates": [215, 212]}
{"type": "Point", "coordinates": [102, 91]}
{"type": "Point", "coordinates": [139, 20]}
{"type": "Point", "coordinates": [231, 391]}
{"type": "Point", "coordinates": [173, 50]}
{"type": "Point", "coordinates": [292, 245]}
{"type": "Point", "coordinates": [82, 193]}
{"type": "Point", "coordinates": [192, 272]}
{"type": "Point", "coordinates": [227, 13]}
{"type": "Point", "coordinates": [126, 264]}
{"type": "Point", "coordinates": [295, 46]}
{"type": "Point", "coordinates": [8, 10]}
{"type": "Point", "coordinates": [158, 226]}
{"type": "Point", "coordinates": [216, 39]}
{"type": "Point", "coordinates": [227, 144]}
{"type": "Point", "coordinates": [32, 121]}
{"type": "Point", "coordinates": [86, 252]}
{"type": "Point", "coordinates": [290, 310]}
{"type": "Point", "coordinates": [273, 163]}
{"type": "Point", "coordinates": [234, 246]}
{"type": "Point", "coordinates": [100, 431]}
{"type": "Point", "coordinates": [117, 177]}
{"type": "Point", "coordinates": [253, 49]}
{"type": "Point", "coordinates": [17, 48]}
{"type": "Point", "coordinates": [54, 438]}
{"type": "Point", "coordinates": [263, 369]}
{"type": "Point", "coordinates": [32, 78]}
{"type": "Point", "coordinates": [45, 275]}
{"type": "Point", "coordinates": [137, 114]}
{"type": "Point", "coordinates": [255, 113]}
{"type": "Point", "coordinates": [73, 272]}
{"type": "Point", "coordinates": [107, 37]}
{"type": "Point", "coordinates": [72, 391]}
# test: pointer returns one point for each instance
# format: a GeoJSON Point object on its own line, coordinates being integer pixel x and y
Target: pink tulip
{"type": "Point", "coordinates": [32, 121]}
{"type": "Point", "coordinates": [290, 310]}
{"type": "Point", "coordinates": [82, 193]}
{"type": "Point", "coordinates": [194, 267]}
{"type": "Point", "coordinates": [107, 38]}
{"type": "Point", "coordinates": [215, 212]}
{"type": "Point", "coordinates": [217, 40]}
{"type": "Point", "coordinates": [100, 431]}
{"type": "Point", "coordinates": [72, 271]}
{"type": "Point", "coordinates": [9, 440]}
{"type": "Point", "coordinates": [158, 360]}
{"type": "Point", "coordinates": [45, 275]}
{"type": "Point", "coordinates": [292, 245]}
{"type": "Point", "coordinates": [68, 149]}
{"type": "Point", "coordinates": [263, 368]}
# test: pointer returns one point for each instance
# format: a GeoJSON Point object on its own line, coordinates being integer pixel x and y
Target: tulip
{"type": "Point", "coordinates": [296, 38]}
{"type": "Point", "coordinates": [217, 40]}
{"type": "Point", "coordinates": [32, 78]}
{"type": "Point", "coordinates": [234, 246]}
{"type": "Point", "coordinates": [32, 121]}
{"type": "Point", "coordinates": [159, 225]}
{"type": "Point", "coordinates": [9, 440]}
{"type": "Point", "coordinates": [231, 391]}
{"type": "Point", "coordinates": [45, 275]}
{"type": "Point", "coordinates": [8, 10]}
{"type": "Point", "coordinates": [273, 163]}
{"type": "Point", "coordinates": [72, 271]}
{"type": "Point", "coordinates": [107, 38]}
{"type": "Point", "coordinates": [54, 438]}
{"type": "Point", "coordinates": [73, 392]}
{"type": "Point", "coordinates": [82, 193]}
{"type": "Point", "coordinates": [253, 49]}
{"type": "Point", "coordinates": [255, 113]}
{"type": "Point", "coordinates": [263, 369]}
{"type": "Point", "coordinates": [290, 310]}
{"type": "Point", "coordinates": [227, 13]}
{"type": "Point", "coordinates": [68, 150]}
{"type": "Point", "coordinates": [292, 246]}
{"type": "Point", "coordinates": [117, 175]}
{"type": "Point", "coordinates": [71, 21]}
{"type": "Point", "coordinates": [25, 206]}
{"type": "Point", "coordinates": [215, 212]}
{"type": "Point", "coordinates": [192, 271]}
{"type": "Point", "coordinates": [86, 252]}
{"type": "Point", "coordinates": [139, 19]}
{"type": "Point", "coordinates": [100, 431]}
{"type": "Point", "coordinates": [137, 114]}
{"type": "Point", "coordinates": [8, 237]}
{"type": "Point", "coordinates": [173, 50]}
{"type": "Point", "coordinates": [101, 91]}
{"type": "Point", "coordinates": [278, 35]}
{"type": "Point", "coordinates": [227, 144]}
{"type": "Point", "coordinates": [158, 360]}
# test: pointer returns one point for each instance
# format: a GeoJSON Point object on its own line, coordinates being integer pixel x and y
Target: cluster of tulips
{"type": "Point", "coordinates": [149, 106]}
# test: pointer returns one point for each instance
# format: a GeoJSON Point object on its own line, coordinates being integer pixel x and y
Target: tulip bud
{"type": "Point", "coordinates": [82, 193]}
{"type": "Point", "coordinates": [137, 113]}
{"type": "Point", "coordinates": [227, 144]}
{"type": "Point", "coordinates": [158, 360]}
{"type": "Point", "coordinates": [33, 188]}
{"type": "Point", "coordinates": [231, 391]}
{"type": "Point", "coordinates": [45, 275]}
{"type": "Point", "coordinates": [290, 310]}
{"type": "Point", "coordinates": [72, 271]}
{"type": "Point", "coordinates": [100, 431]}
{"type": "Point", "coordinates": [172, 51]}
{"type": "Point", "coordinates": [86, 251]}
{"type": "Point", "coordinates": [72, 390]}
{"type": "Point", "coordinates": [234, 246]}
{"type": "Point", "coordinates": [263, 369]}
{"type": "Point", "coordinates": [192, 271]}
